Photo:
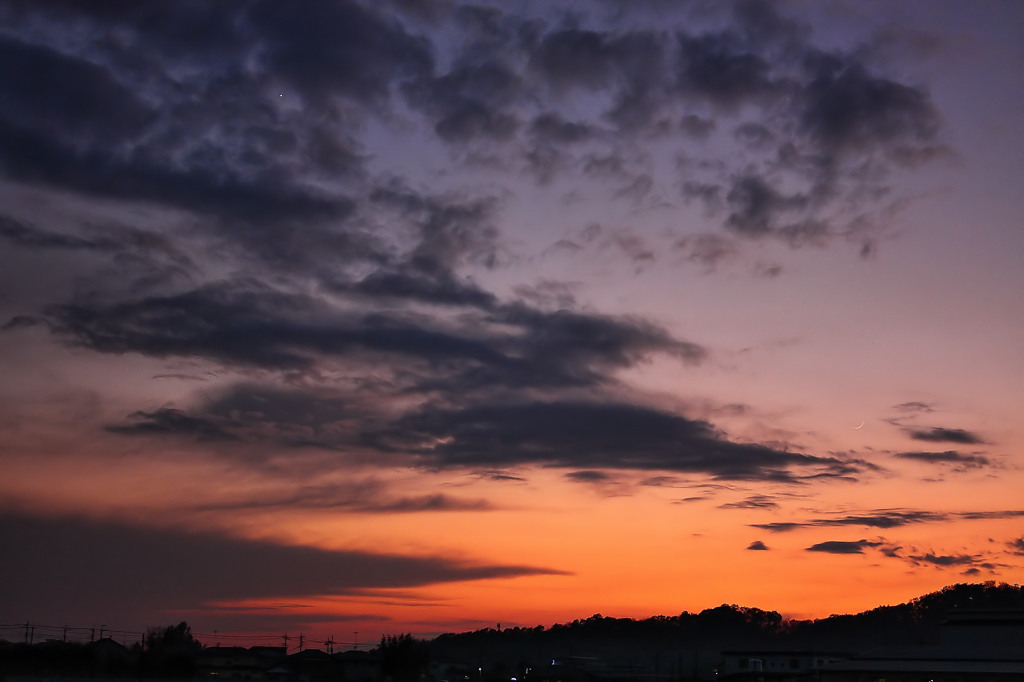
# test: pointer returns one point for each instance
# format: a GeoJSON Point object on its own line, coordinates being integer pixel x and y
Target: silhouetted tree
{"type": "Point", "coordinates": [171, 651]}
{"type": "Point", "coordinates": [403, 658]}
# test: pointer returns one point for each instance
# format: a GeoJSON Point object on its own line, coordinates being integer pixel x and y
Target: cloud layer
{"type": "Point", "coordinates": [89, 568]}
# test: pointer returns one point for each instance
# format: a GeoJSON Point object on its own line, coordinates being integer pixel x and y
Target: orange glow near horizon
{"type": "Point", "coordinates": [631, 555]}
{"type": "Point", "coordinates": [615, 549]}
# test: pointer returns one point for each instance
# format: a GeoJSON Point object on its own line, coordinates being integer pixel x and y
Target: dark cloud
{"type": "Point", "coordinates": [947, 457]}
{"type": "Point", "coordinates": [497, 476]}
{"type": "Point", "coordinates": [843, 547]}
{"type": "Point", "coordinates": [942, 435]}
{"type": "Point", "coordinates": [717, 68]}
{"type": "Point", "coordinates": [606, 166]}
{"type": "Point", "coordinates": [595, 436]}
{"type": "Point", "coordinates": [471, 100]}
{"type": "Point", "coordinates": [752, 502]}
{"type": "Point", "coordinates": [636, 190]}
{"type": "Point", "coordinates": [508, 78]}
{"type": "Point", "coordinates": [849, 110]}
{"type": "Point", "coordinates": [31, 237]}
{"type": "Point", "coordinates": [767, 270]}
{"type": "Point", "coordinates": [890, 518]}
{"type": "Point", "coordinates": [698, 127]}
{"type": "Point", "coordinates": [142, 134]}
{"type": "Point", "coordinates": [250, 324]}
{"type": "Point", "coordinates": [757, 545]}
{"type": "Point", "coordinates": [594, 60]}
{"type": "Point", "coordinates": [887, 518]}
{"type": "Point", "coordinates": [247, 133]}
{"type": "Point", "coordinates": [551, 127]}
{"type": "Point", "coordinates": [566, 347]}
{"type": "Point", "coordinates": [38, 157]}
{"type": "Point", "coordinates": [945, 560]}
{"type": "Point", "coordinates": [779, 526]}
{"type": "Point", "coordinates": [79, 570]}
{"type": "Point", "coordinates": [168, 421]}
{"type": "Point", "coordinates": [548, 294]}
{"type": "Point", "coordinates": [144, 258]}
{"type": "Point", "coordinates": [847, 117]}
{"type": "Point", "coordinates": [1017, 546]}
{"type": "Point", "coordinates": [588, 476]}
{"type": "Point", "coordinates": [247, 324]}
{"type": "Point", "coordinates": [626, 64]}
{"type": "Point", "coordinates": [753, 134]}
{"type": "Point", "coordinates": [212, 31]}
{"type": "Point", "coordinates": [846, 114]}
{"type": "Point", "coordinates": [338, 48]}
{"type": "Point", "coordinates": [22, 322]}
{"type": "Point", "coordinates": [273, 404]}
{"type": "Point", "coordinates": [762, 25]}
{"type": "Point", "coordinates": [1008, 514]}
{"type": "Point", "coordinates": [914, 406]}
{"type": "Point", "coordinates": [81, 101]}
{"type": "Point", "coordinates": [709, 194]}
{"type": "Point", "coordinates": [363, 497]}
{"type": "Point", "coordinates": [256, 413]}
{"type": "Point", "coordinates": [449, 231]}
{"type": "Point", "coordinates": [757, 209]}
{"type": "Point", "coordinates": [243, 323]}
{"type": "Point", "coordinates": [661, 481]}
{"type": "Point", "coordinates": [118, 146]}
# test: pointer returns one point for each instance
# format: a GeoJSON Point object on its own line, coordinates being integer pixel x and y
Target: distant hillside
{"type": "Point", "coordinates": [690, 643]}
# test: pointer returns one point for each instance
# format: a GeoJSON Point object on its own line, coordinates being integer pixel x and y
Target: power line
{"type": "Point", "coordinates": [30, 632]}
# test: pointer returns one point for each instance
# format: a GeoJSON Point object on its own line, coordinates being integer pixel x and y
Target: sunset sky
{"type": "Point", "coordinates": [408, 316]}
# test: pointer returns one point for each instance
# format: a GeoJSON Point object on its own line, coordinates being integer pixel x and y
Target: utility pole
{"type": "Point", "coordinates": [142, 659]}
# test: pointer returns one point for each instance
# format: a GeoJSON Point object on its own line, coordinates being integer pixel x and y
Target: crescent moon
{"type": "Point", "coordinates": [858, 426]}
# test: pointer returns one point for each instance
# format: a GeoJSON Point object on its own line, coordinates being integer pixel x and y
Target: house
{"type": "Point", "coordinates": [973, 646]}
{"type": "Point", "coordinates": [780, 665]}
{"type": "Point", "coordinates": [230, 663]}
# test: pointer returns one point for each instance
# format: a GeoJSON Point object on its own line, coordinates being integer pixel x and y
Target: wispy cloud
{"type": "Point", "coordinates": [944, 435]}
{"type": "Point", "coordinates": [945, 559]}
{"type": "Point", "coordinates": [362, 497]}
{"type": "Point", "coordinates": [887, 518]}
{"type": "Point", "coordinates": [950, 457]}
{"type": "Point", "coordinates": [843, 546]}
{"type": "Point", "coordinates": [752, 502]}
